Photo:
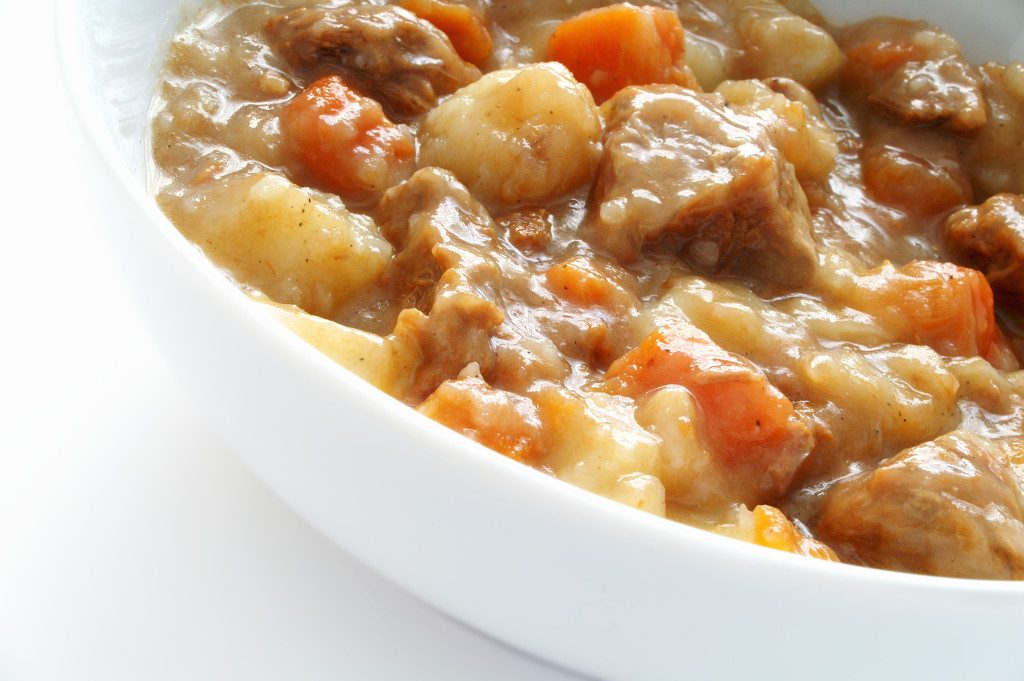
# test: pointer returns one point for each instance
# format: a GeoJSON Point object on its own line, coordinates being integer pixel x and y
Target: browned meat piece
{"type": "Point", "coordinates": [456, 333]}
{"type": "Point", "coordinates": [529, 230]}
{"type": "Point", "coordinates": [994, 152]}
{"type": "Point", "coordinates": [990, 238]}
{"type": "Point", "coordinates": [943, 90]}
{"type": "Point", "coordinates": [682, 163]}
{"type": "Point", "coordinates": [442, 276]}
{"type": "Point", "coordinates": [916, 170]}
{"type": "Point", "coordinates": [505, 422]}
{"type": "Point", "coordinates": [914, 72]}
{"type": "Point", "coordinates": [952, 507]}
{"type": "Point", "coordinates": [389, 53]}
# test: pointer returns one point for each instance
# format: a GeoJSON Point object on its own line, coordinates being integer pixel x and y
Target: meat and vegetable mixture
{"type": "Point", "coordinates": [718, 260]}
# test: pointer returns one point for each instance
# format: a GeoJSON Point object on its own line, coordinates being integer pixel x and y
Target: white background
{"type": "Point", "coordinates": [132, 545]}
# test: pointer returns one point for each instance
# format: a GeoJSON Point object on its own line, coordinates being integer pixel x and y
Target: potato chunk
{"type": "Point", "coordinates": [950, 507]}
{"type": "Point", "coordinates": [376, 360]}
{"type": "Point", "coordinates": [594, 442]}
{"type": "Point", "coordinates": [297, 245]}
{"type": "Point", "coordinates": [898, 395]}
{"type": "Point", "coordinates": [517, 136]}
{"type": "Point", "coordinates": [780, 43]}
{"type": "Point", "coordinates": [792, 114]}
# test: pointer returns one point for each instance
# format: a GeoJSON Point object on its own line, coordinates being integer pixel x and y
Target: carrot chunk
{"type": "Point", "coordinates": [463, 26]}
{"type": "Point", "coordinates": [505, 422]}
{"type": "Point", "coordinates": [870, 63]}
{"type": "Point", "coordinates": [580, 281]}
{"type": "Point", "coordinates": [773, 529]}
{"type": "Point", "coordinates": [346, 141]}
{"type": "Point", "coordinates": [612, 47]}
{"type": "Point", "coordinates": [744, 417]}
{"type": "Point", "coordinates": [944, 306]}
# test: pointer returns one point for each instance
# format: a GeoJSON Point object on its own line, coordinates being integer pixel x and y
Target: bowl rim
{"type": "Point", "coordinates": [616, 517]}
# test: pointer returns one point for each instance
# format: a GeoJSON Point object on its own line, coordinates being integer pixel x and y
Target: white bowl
{"type": "Point", "coordinates": [553, 570]}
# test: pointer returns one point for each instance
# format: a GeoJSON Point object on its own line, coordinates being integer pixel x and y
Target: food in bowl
{"type": "Point", "coordinates": [718, 260]}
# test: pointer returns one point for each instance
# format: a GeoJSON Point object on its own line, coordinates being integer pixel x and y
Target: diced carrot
{"type": "Point", "coordinates": [580, 282]}
{"type": "Point", "coordinates": [346, 141]}
{"type": "Point", "coordinates": [619, 45]}
{"type": "Point", "coordinates": [944, 306]}
{"type": "Point", "coordinates": [744, 417]}
{"type": "Point", "coordinates": [773, 529]}
{"type": "Point", "coordinates": [1001, 354]}
{"type": "Point", "coordinates": [870, 63]}
{"type": "Point", "coordinates": [505, 422]}
{"type": "Point", "coordinates": [925, 180]}
{"type": "Point", "coordinates": [463, 26]}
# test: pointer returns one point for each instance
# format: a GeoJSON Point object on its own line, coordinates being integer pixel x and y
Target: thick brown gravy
{"type": "Point", "coordinates": [767, 283]}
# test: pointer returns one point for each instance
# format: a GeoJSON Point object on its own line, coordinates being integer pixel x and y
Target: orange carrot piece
{"type": "Point", "coordinates": [505, 422]}
{"type": "Point", "coordinates": [580, 282]}
{"type": "Point", "coordinates": [871, 63]}
{"type": "Point", "coordinates": [463, 26]}
{"type": "Point", "coordinates": [619, 45]}
{"type": "Point", "coordinates": [744, 416]}
{"type": "Point", "coordinates": [346, 141]}
{"type": "Point", "coordinates": [773, 529]}
{"type": "Point", "coordinates": [944, 306]}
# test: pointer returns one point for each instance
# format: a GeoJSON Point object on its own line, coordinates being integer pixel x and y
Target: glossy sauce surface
{"type": "Point", "coordinates": [730, 294]}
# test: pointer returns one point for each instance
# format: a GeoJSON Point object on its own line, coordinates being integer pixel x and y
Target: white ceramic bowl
{"type": "Point", "coordinates": [558, 572]}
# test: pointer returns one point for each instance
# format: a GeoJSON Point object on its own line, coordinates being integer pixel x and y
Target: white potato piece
{"type": "Point", "coordinates": [734, 317]}
{"type": "Point", "coordinates": [780, 43]}
{"type": "Point", "coordinates": [709, 60]}
{"type": "Point", "coordinates": [594, 442]}
{"type": "Point", "coordinates": [379, 361]}
{"type": "Point", "coordinates": [906, 390]}
{"type": "Point", "coordinates": [794, 119]}
{"type": "Point", "coordinates": [689, 473]}
{"type": "Point", "coordinates": [516, 136]}
{"type": "Point", "coordinates": [294, 244]}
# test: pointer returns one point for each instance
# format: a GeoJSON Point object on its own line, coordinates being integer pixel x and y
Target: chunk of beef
{"type": "Point", "coordinates": [456, 333]}
{"type": "Point", "coordinates": [401, 60]}
{"type": "Point", "coordinates": [682, 163]}
{"type": "Point", "coordinates": [442, 277]}
{"type": "Point", "coordinates": [528, 229]}
{"type": "Point", "coordinates": [505, 422]}
{"type": "Point", "coordinates": [461, 296]}
{"type": "Point", "coordinates": [990, 238]}
{"type": "Point", "coordinates": [952, 507]}
{"type": "Point", "coordinates": [942, 90]}
{"type": "Point", "coordinates": [913, 71]}
{"type": "Point", "coordinates": [994, 153]}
